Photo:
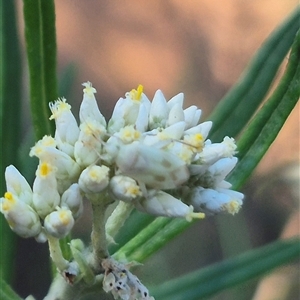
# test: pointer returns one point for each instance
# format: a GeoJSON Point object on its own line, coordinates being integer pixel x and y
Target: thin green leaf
{"type": "Point", "coordinates": [10, 108]}
{"type": "Point", "coordinates": [6, 292]}
{"type": "Point", "coordinates": [137, 243]}
{"type": "Point", "coordinates": [269, 120]}
{"type": "Point", "coordinates": [135, 223]}
{"type": "Point", "coordinates": [211, 280]}
{"type": "Point", "coordinates": [40, 38]}
{"type": "Point", "coordinates": [239, 104]}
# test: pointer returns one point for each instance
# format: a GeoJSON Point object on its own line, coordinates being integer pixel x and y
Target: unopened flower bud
{"type": "Point", "coordinates": [18, 185]}
{"type": "Point", "coordinates": [164, 204]}
{"type": "Point", "coordinates": [21, 218]}
{"type": "Point", "coordinates": [215, 201]}
{"type": "Point", "coordinates": [45, 194]}
{"type": "Point", "coordinates": [124, 188]}
{"type": "Point", "coordinates": [89, 109]}
{"type": "Point", "coordinates": [67, 130]}
{"type": "Point", "coordinates": [88, 145]}
{"type": "Point", "coordinates": [158, 111]}
{"type": "Point", "coordinates": [192, 116]}
{"type": "Point", "coordinates": [72, 199]}
{"type": "Point", "coordinates": [59, 223]}
{"type": "Point", "coordinates": [41, 237]}
{"type": "Point", "coordinates": [94, 179]}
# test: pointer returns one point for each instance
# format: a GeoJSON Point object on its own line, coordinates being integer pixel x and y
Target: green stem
{"type": "Point", "coordinates": [117, 219]}
{"type": "Point", "coordinates": [98, 236]}
{"type": "Point", "coordinates": [56, 254]}
{"type": "Point", "coordinates": [132, 250]}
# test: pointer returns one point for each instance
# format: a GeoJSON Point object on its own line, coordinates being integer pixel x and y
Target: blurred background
{"type": "Point", "coordinates": [199, 48]}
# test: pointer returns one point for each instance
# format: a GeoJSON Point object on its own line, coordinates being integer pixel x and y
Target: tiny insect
{"type": "Point", "coordinates": [154, 167]}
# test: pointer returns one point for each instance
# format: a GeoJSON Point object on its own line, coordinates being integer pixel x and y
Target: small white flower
{"type": "Point", "coordinates": [164, 204]}
{"type": "Point", "coordinates": [124, 188]}
{"type": "Point", "coordinates": [72, 199]}
{"type": "Point", "coordinates": [59, 223]}
{"type": "Point", "coordinates": [89, 144]}
{"type": "Point", "coordinates": [94, 179]}
{"type": "Point", "coordinates": [133, 110]}
{"type": "Point", "coordinates": [89, 109]}
{"type": "Point", "coordinates": [192, 116]}
{"type": "Point", "coordinates": [153, 167]}
{"type": "Point", "coordinates": [215, 174]}
{"type": "Point", "coordinates": [18, 185]}
{"type": "Point", "coordinates": [176, 115]}
{"type": "Point", "coordinates": [41, 237]}
{"type": "Point", "coordinates": [215, 201]}
{"type": "Point", "coordinates": [202, 129]}
{"type": "Point", "coordinates": [67, 169]}
{"type": "Point", "coordinates": [230, 146]}
{"type": "Point", "coordinates": [45, 194]}
{"type": "Point", "coordinates": [67, 131]}
{"type": "Point", "coordinates": [21, 218]}
{"type": "Point", "coordinates": [159, 111]}
{"type": "Point", "coordinates": [38, 148]}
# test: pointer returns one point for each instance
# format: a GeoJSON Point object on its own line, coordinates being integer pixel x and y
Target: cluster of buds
{"type": "Point", "coordinates": [153, 155]}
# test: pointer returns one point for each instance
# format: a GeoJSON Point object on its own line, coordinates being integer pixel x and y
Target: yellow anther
{"type": "Point", "coordinates": [64, 216]}
{"type": "Point", "coordinates": [232, 207]}
{"type": "Point", "coordinates": [8, 196]}
{"type": "Point", "coordinates": [93, 174]}
{"type": "Point", "coordinates": [137, 94]}
{"type": "Point", "coordinates": [129, 134]}
{"type": "Point", "coordinates": [45, 169]}
{"type": "Point", "coordinates": [134, 191]}
{"type": "Point", "coordinates": [58, 107]}
{"type": "Point", "coordinates": [10, 201]}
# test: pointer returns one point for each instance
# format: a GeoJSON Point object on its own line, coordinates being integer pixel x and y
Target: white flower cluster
{"type": "Point", "coordinates": [154, 155]}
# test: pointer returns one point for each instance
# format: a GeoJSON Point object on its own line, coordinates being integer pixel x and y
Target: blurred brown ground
{"type": "Point", "coordinates": [196, 47]}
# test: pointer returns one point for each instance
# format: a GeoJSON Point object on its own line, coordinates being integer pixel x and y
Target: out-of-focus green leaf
{"type": "Point", "coordinates": [10, 109]}
{"type": "Point", "coordinates": [6, 292]}
{"type": "Point", "coordinates": [211, 280]}
{"type": "Point", "coordinates": [135, 223]}
{"type": "Point", "coordinates": [40, 38]}
{"type": "Point", "coordinates": [266, 125]}
{"type": "Point", "coordinates": [239, 104]}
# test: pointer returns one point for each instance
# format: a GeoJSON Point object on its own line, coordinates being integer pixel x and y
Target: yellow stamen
{"type": "Point", "coordinates": [193, 215]}
{"type": "Point", "coordinates": [58, 107]}
{"type": "Point", "coordinates": [8, 196]}
{"type": "Point", "coordinates": [137, 94]}
{"type": "Point", "coordinates": [10, 201]}
{"type": "Point", "coordinates": [232, 207]}
{"type": "Point", "coordinates": [134, 191]}
{"type": "Point", "coordinates": [64, 217]}
{"type": "Point", "coordinates": [45, 169]}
